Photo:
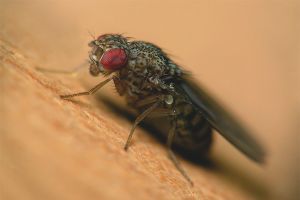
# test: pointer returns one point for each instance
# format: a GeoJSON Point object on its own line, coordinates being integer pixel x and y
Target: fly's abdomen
{"type": "Point", "coordinates": [193, 132]}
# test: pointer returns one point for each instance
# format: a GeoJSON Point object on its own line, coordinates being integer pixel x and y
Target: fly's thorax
{"type": "Point", "coordinates": [147, 66]}
{"type": "Point", "coordinates": [138, 85]}
{"type": "Point", "coordinates": [150, 60]}
{"type": "Point", "coordinates": [147, 60]}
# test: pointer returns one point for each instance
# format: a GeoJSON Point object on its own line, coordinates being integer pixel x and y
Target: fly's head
{"type": "Point", "coordinates": [109, 54]}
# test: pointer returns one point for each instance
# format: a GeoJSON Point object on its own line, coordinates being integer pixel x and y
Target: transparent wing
{"type": "Point", "coordinates": [217, 116]}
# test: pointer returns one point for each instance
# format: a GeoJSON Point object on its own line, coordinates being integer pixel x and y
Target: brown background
{"type": "Point", "coordinates": [245, 53]}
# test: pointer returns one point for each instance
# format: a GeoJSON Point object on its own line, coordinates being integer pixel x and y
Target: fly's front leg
{"type": "Point", "coordinates": [94, 89]}
{"type": "Point", "coordinates": [73, 73]}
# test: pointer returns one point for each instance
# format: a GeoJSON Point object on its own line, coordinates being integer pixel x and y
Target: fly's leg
{"type": "Point", "coordinates": [97, 87]}
{"type": "Point", "coordinates": [170, 112]}
{"type": "Point", "coordinates": [143, 102]}
{"type": "Point", "coordinates": [73, 73]}
{"type": "Point", "coordinates": [172, 155]}
{"type": "Point", "coordinates": [143, 115]}
{"type": "Point", "coordinates": [160, 112]}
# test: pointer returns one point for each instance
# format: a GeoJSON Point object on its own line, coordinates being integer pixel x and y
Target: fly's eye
{"type": "Point", "coordinates": [114, 59]}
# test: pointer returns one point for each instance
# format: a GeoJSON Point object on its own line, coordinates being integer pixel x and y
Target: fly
{"type": "Point", "coordinates": [153, 84]}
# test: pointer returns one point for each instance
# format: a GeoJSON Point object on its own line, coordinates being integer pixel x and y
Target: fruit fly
{"type": "Point", "coordinates": [153, 84]}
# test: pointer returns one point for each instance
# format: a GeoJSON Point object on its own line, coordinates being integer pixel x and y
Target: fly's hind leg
{"type": "Point", "coordinates": [172, 155]}
{"type": "Point", "coordinates": [170, 112]}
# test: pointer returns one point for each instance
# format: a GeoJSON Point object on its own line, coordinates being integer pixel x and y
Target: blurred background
{"type": "Point", "coordinates": [246, 53]}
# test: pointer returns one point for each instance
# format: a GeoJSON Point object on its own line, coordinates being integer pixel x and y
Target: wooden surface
{"type": "Point", "coordinates": [59, 149]}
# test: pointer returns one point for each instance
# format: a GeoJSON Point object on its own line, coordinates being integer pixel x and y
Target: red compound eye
{"type": "Point", "coordinates": [114, 59]}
